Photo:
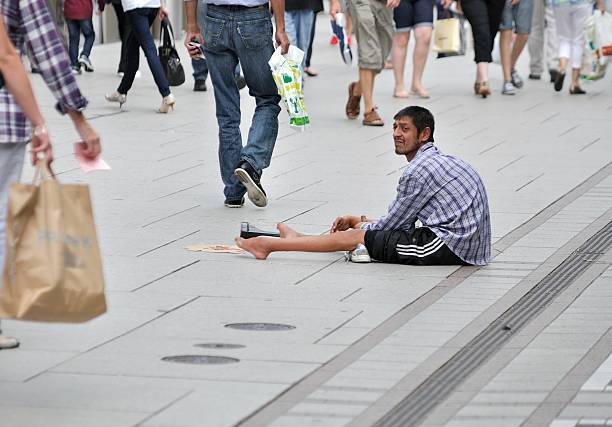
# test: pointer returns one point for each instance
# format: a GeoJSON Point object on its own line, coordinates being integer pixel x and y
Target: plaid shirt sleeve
{"type": "Point", "coordinates": [402, 213]}
{"type": "Point", "coordinates": [49, 55]}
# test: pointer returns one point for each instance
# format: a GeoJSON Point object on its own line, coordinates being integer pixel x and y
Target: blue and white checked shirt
{"type": "Point", "coordinates": [449, 198]}
{"type": "Point", "coordinates": [29, 23]}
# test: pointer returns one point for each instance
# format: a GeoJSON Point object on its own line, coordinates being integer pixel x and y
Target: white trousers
{"type": "Point", "coordinates": [543, 46]}
{"type": "Point", "coordinates": [570, 20]}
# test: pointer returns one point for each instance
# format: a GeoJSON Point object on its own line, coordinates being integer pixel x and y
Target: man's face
{"type": "Point", "coordinates": [405, 136]}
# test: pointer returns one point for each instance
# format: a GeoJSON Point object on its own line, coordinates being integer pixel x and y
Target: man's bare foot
{"type": "Point", "coordinates": [256, 246]}
{"type": "Point", "coordinates": [400, 92]}
{"type": "Point", "coordinates": [286, 231]}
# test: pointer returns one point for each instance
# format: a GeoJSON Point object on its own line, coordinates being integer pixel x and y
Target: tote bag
{"type": "Point", "coordinates": [171, 63]}
{"type": "Point", "coordinates": [447, 36]}
{"type": "Point", "coordinates": [53, 270]}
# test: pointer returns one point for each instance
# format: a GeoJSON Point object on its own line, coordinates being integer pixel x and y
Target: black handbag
{"type": "Point", "coordinates": [171, 63]}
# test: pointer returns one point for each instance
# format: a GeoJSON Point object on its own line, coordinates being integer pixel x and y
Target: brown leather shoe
{"type": "Point", "coordinates": [371, 118]}
{"type": "Point", "coordinates": [352, 105]}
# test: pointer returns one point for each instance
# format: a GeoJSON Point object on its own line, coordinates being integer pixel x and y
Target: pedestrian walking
{"type": "Point", "coordinates": [517, 16]}
{"type": "Point", "coordinates": [571, 17]}
{"type": "Point", "coordinates": [373, 24]}
{"type": "Point", "coordinates": [241, 31]}
{"type": "Point", "coordinates": [542, 44]}
{"type": "Point", "coordinates": [299, 18]}
{"type": "Point", "coordinates": [484, 17]}
{"type": "Point", "coordinates": [317, 6]}
{"type": "Point", "coordinates": [411, 16]}
{"type": "Point", "coordinates": [123, 27]}
{"type": "Point", "coordinates": [141, 14]}
{"type": "Point", "coordinates": [78, 14]}
{"type": "Point", "coordinates": [30, 22]}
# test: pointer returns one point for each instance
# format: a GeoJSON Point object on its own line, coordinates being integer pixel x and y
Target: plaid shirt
{"type": "Point", "coordinates": [29, 22]}
{"type": "Point", "coordinates": [449, 198]}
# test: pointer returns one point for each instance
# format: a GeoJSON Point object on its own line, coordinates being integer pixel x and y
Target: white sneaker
{"type": "Point", "coordinates": [508, 89]}
{"type": "Point", "coordinates": [8, 342]}
{"type": "Point", "coordinates": [359, 255]}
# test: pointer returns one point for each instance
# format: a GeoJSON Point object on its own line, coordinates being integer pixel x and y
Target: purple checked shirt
{"type": "Point", "coordinates": [449, 198]}
{"type": "Point", "coordinates": [29, 23]}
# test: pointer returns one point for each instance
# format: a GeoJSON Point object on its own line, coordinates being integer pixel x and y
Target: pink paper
{"type": "Point", "coordinates": [89, 165]}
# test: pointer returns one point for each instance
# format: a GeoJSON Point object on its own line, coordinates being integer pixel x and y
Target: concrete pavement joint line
{"type": "Point", "coordinates": [415, 406]}
{"type": "Point", "coordinates": [475, 133]}
{"type": "Point", "coordinates": [302, 280]}
{"type": "Point", "coordinates": [159, 316]}
{"type": "Point", "coordinates": [340, 326]}
{"type": "Point", "coordinates": [510, 163]}
{"type": "Point", "coordinates": [569, 130]}
{"type": "Point", "coordinates": [175, 140]}
{"type": "Point", "coordinates": [486, 150]}
{"type": "Point", "coordinates": [169, 216]}
{"type": "Point", "coordinates": [66, 171]}
{"type": "Point", "coordinates": [173, 156]}
{"type": "Point", "coordinates": [533, 107]}
{"type": "Point", "coordinates": [99, 116]}
{"type": "Point", "coordinates": [306, 211]}
{"type": "Point", "coordinates": [549, 117]}
{"type": "Point", "coordinates": [166, 275]}
{"type": "Point", "coordinates": [589, 144]}
{"type": "Point", "coordinates": [178, 172]}
{"type": "Point", "coordinates": [278, 406]}
{"type": "Point", "coordinates": [454, 107]}
{"type": "Point", "coordinates": [384, 152]}
{"type": "Point", "coordinates": [287, 152]}
{"type": "Point", "coordinates": [167, 243]}
{"type": "Point", "coordinates": [163, 408]}
{"type": "Point", "coordinates": [292, 170]}
{"type": "Point", "coordinates": [300, 189]}
{"type": "Point", "coordinates": [529, 182]}
{"type": "Point", "coordinates": [350, 295]}
{"type": "Point", "coordinates": [176, 192]}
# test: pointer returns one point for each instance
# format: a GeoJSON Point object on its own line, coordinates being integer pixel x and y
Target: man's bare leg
{"type": "Point", "coordinates": [366, 81]}
{"type": "Point", "coordinates": [261, 247]}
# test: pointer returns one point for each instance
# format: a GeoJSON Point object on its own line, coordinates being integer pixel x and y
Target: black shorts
{"type": "Point", "coordinates": [413, 13]}
{"type": "Point", "coordinates": [418, 247]}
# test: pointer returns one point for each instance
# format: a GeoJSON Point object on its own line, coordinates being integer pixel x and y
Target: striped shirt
{"type": "Point", "coordinates": [449, 198]}
{"type": "Point", "coordinates": [29, 24]}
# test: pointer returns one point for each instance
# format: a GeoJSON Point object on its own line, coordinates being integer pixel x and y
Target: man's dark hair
{"type": "Point", "coordinates": [421, 118]}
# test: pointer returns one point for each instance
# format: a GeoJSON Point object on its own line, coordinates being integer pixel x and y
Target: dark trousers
{"type": "Point", "coordinates": [123, 25]}
{"type": "Point", "coordinates": [484, 17]}
{"type": "Point", "coordinates": [140, 36]}
{"type": "Point", "coordinates": [75, 28]}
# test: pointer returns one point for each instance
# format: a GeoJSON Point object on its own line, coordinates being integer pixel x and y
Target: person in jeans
{"type": "Point", "coordinates": [30, 23]}
{"type": "Point", "coordinates": [517, 14]}
{"type": "Point", "coordinates": [484, 17]}
{"type": "Point", "coordinates": [411, 16]}
{"type": "Point", "coordinates": [78, 14]}
{"type": "Point", "coordinates": [316, 6]}
{"type": "Point", "coordinates": [299, 18]}
{"type": "Point", "coordinates": [241, 31]}
{"type": "Point", "coordinates": [123, 27]}
{"type": "Point", "coordinates": [571, 17]}
{"type": "Point", "coordinates": [373, 24]}
{"type": "Point", "coordinates": [543, 38]}
{"type": "Point", "coordinates": [141, 14]}
{"type": "Point", "coordinates": [443, 192]}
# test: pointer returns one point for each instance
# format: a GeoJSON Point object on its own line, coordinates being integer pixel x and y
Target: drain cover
{"type": "Point", "coordinates": [260, 326]}
{"type": "Point", "coordinates": [220, 345]}
{"type": "Point", "coordinates": [200, 359]}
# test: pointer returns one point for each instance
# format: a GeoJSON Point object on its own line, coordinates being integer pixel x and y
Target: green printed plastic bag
{"type": "Point", "coordinates": [287, 74]}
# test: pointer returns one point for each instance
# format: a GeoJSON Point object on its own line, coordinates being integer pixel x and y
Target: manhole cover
{"type": "Point", "coordinates": [260, 326]}
{"type": "Point", "coordinates": [220, 345]}
{"type": "Point", "coordinates": [200, 359]}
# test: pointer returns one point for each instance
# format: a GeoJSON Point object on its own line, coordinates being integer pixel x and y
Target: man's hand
{"type": "Point", "coordinates": [334, 7]}
{"type": "Point", "coordinates": [41, 143]}
{"type": "Point", "coordinates": [343, 223]}
{"type": "Point", "coordinates": [88, 135]}
{"type": "Point", "coordinates": [392, 4]}
{"type": "Point", "coordinates": [163, 13]}
{"type": "Point", "coordinates": [446, 3]}
{"type": "Point", "coordinates": [193, 34]}
{"type": "Point", "coordinates": [282, 40]}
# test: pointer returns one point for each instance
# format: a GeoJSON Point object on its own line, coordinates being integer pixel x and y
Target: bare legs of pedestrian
{"type": "Point", "coordinates": [399, 51]}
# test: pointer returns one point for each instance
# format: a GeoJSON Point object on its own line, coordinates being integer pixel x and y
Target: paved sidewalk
{"type": "Point", "coordinates": [364, 336]}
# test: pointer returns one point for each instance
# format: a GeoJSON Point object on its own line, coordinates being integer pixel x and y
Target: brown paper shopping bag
{"type": "Point", "coordinates": [53, 270]}
{"type": "Point", "coordinates": [447, 36]}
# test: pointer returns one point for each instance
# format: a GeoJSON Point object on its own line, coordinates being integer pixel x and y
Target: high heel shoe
{"type": "Point", "coordinates": [482, 89]}
{"type": "Point", "coordinates": [116, 97]}
{"type": "Point", "coordinates": [167, 104]}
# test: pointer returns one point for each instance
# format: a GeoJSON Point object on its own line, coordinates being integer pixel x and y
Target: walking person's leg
{"type": "Point", "coordinates": [505, 46]}
{"type": "Point", "coordinates": [523, 17]}
{"type": "Point", "coordinates": [73, 43]}
{"type": "Point", "coordinates": [132, 50]}
{"type": "Point", "coordinates": [536, 41]}
{"type": "Point", "coordinates": [551, 42]}
{"type": "Point", "coordinates": [123, 27]}
{"type": "Point", "coordinates": [145, 39]}
{"type": "Point", "coordinates": [307, 68]}
{"type": "Point", "coordinates": [422, 35]}
{"type": "Point", "coordinates": [563, 16]}
{"type": "Point", "coordinates": [11, 164]}
{"type": "Point", "coordinates": [200, 66]}
{"type": "Point", "coordinates": [403, 16]}
{"type": "Point", "coordinates": [580, 16]}
{"type": "Point", "coordinates": [90, 36]}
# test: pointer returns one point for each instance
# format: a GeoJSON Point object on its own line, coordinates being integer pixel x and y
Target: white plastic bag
{"type": "Point", "coordinates": [593, 62]}
{"type": "Point", "coordinates": [603, 31]}
{"type": "Point", "coordinates": [287, 75]}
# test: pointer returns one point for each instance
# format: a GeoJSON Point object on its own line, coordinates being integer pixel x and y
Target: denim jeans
{"type": "Point", "coordinates": [75, 27]}
{"type": "Point", "coordinates": [200, 67]}
{"type": "Point", "coordinates": [141, 20]}
{"type": "Point", "coordinates": [298, 25]}
{"type": "Point", "coordinates": [233, 34]}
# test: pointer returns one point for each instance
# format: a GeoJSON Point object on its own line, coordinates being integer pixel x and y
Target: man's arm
{"type": "Point", "coordinates": [193, 29]}
{"type": "Point", "coordinates": [278, 8]}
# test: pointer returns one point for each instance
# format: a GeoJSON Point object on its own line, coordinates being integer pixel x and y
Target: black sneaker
{"type": "Point", "coordinates": [250, 179]}
{"type": "Point", "coordinates": [534, 76]}
{"type": "Point", "coordinates": [553, 75]}
{"type": "Point", "coordinates": [199, 86]}
{"type": "Point", "coordinates": [234, 203]}
{"type": "Point", "coordinates": [559, 81]}
{"type": "Point", "coordinates": [240, 81]}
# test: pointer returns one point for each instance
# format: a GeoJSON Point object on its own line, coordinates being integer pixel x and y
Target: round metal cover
{"type": "Point", "coordinates": [260, 326]}
{"type": "Point", "coordinates": [220, 345]}
{"type": "Point", "coordinates": [199, 359]}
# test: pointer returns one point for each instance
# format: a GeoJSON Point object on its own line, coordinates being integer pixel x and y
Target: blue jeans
{"type": "Point", "coordinates": [233, 34]}
{"type": "Point", "coordinates": [75, 27]}
{"type": "Point", "coordinates": [298, 25]}
{"type": "Point", "coordinates": [140, 21]}
{"type": "Point", "coordinates": [200, 67]}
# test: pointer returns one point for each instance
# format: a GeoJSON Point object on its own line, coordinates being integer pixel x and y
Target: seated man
{"type": "Point", "coordinates": [444, 193]}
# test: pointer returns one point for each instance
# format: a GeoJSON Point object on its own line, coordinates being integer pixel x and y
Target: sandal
{"type": "Point", "coordinates": [371, 118]}
{"type": "Point", "coordinates": [482, 89]}
{"type": "Point", "coordinates": [352, 105]}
